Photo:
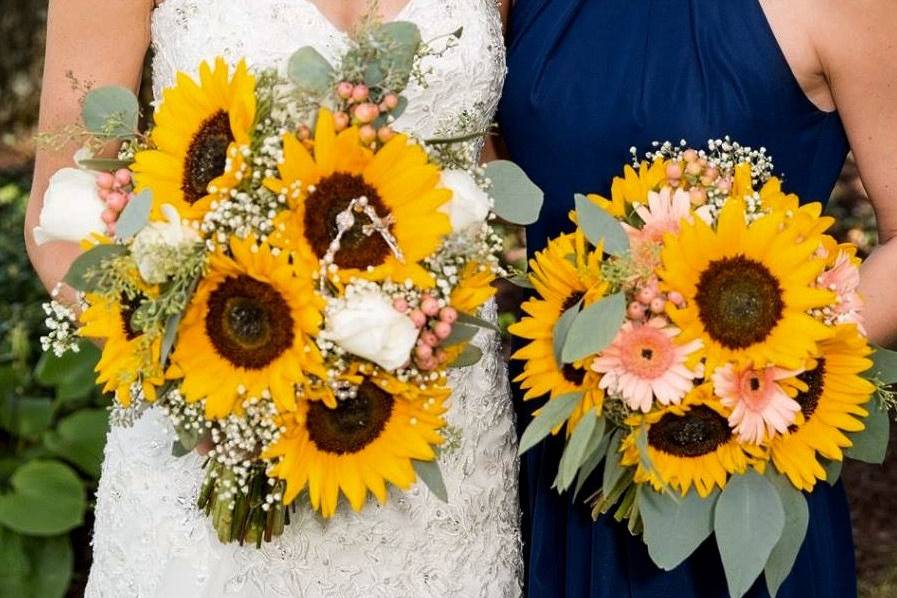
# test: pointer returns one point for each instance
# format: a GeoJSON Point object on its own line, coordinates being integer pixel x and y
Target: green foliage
{"type": "Point", "coordinates": [594, 328]}
{"type": "Point", "coordinates": [52, 428]}
{"type": "Point", "coordinates": [517, 199]}
{"type": "Point", "coordinates": [600, 227]}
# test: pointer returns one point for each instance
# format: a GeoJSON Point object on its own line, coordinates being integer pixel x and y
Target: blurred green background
{"type": "Point", "coordinates": [53, 421]}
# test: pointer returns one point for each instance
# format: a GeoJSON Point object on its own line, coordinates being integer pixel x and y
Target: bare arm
{"type": "Point", "coordinates": [858, 54]}
{"type": "Point", "coordinates": [95, 44]}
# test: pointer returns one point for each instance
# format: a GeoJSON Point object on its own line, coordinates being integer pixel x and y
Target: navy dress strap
{"type": "Point", "coordinates": [588, 79]}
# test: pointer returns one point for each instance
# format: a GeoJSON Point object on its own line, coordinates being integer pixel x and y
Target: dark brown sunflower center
{"type": "Point", "coordinates": [699, 432]}
{"type": "Point", "coordinates": [573, 299]}
{"type": "Point", "coordinates": [249, 322]}
{"type": "Point", "coordinates": [573, 375]}
{"type": "Point", "coordinates": [739, 301]}
{"type": "Point", "coordinates": [353, 424]}
{"type": "Point", "coordinates": [809, 399]}
{"type": "Point", "coordinates": [128, 308]}
{"type": "Point", "coordinates": [206, 156]}
{"type": "Point", "coordinates": [332, 195]}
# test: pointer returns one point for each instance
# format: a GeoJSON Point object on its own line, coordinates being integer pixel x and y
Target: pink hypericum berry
{"type": "Point", "coordinates": [340, 121]}
{"type": "Point", "coordinates": [105, 180]}
{"type": "Point", "coordinates": [345, 89]}
{"type": "Point", "coordinates": [693, 169]}
{"type": "Point", "coordinates": [109, 216]}
{"type": "Point", "coordinates": [636, 311]}
{"type": "Point", "coordinates": [429, 305]}
{"type": "Point", "coordinates": [658, 304]}
{"type": "Point", "coordinates": [366, 113]}
{"type": "Point", "coordinates": [677, 298]}
{"type": "Point", "coordinates": [697, 197]}
{"type": "Point", "coordinates": [428, 338]}
{"type": "Point", "coordinates": [391, 101]}
{"type": "Point", "coordinates": [448, 314]}
{"type": "Point", "coordinates": [367, 134]}
{"type": "Point", "coordinates": [116, 201]}
{"type": "Point", "coordinates": [360, 93]}
{"type": "Point", "coordinates": [400, 304]}
{"type": "Point", "coordinates": [690, 155]}
{"type": "Point", "coordinates": [442, 330]}
{"type": "Point", "coordinates": [385, 134]}
{"type": "Point", "coordinates": [423, 352]}
{"type": "Point", "coordinates": [123, 177]}
{"type": "Point", "coordinates": [646, 294]}
{"type": "Point", "coordinates": [674, 171]}
{"type": "Point", "coordinates": [418, 317]}
{"type": "Point", "coordinates": [724, 185]}
{"type": "Point", "coordinates": [428, 364]}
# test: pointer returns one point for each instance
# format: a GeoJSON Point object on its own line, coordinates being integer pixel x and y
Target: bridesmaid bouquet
{"type": "Point", "coordinates": [288, 277]}
{"type": "Point", "coordinates": [702, 336]}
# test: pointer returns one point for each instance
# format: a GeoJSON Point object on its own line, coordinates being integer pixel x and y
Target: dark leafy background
{"type": "Point", "coordinates": [53, 422]}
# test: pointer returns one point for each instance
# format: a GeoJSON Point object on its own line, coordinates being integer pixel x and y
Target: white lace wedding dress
{"type": "Point", "coordinates": [149, 538]}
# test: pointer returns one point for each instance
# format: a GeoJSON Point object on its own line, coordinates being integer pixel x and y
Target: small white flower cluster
{"type": "Point", "coordinates": [62, 323]}
{"type": "Point", "coordinates": [724, 154]}
{"type": "Point", "coordinates": [753, 207]}
{"type": "Point", "coordinates": [126, 416]}
{"type": "Point", "coordinates": [241, 214]}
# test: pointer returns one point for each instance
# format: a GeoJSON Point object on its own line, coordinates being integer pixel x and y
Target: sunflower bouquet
{"type": "Point", "coordinates": [290, 278]}
{"type": "Point", "coordinates": [702, 336]}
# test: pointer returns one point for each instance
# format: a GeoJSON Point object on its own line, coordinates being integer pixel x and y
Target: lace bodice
{"type": "Point", "coordinates": [150, 540]}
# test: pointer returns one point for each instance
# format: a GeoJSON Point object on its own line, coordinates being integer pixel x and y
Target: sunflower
{"type": "Point", "coordinates": [399, 186]}
{"type": "Point", "coordinates": [834, 403]}
{"type": "Point", "coordinates": [359, 445]}
{"type": "Point", "coordinates": [632, 187]}
{"type": "Point", "coordinates": [129, 357]}
{"type": "Point", "coordinates": [200, 130]}
{"type": "Point", "coordinates": [248, 330]}
{"type": "Point", "coordinates": [474, 288]}
{"type": "Point", "coordinates": [748, 287]}
{"type": "Point", "coordinates": [688, 445]}
{"type": "Point", "coordinates": [563, 275]}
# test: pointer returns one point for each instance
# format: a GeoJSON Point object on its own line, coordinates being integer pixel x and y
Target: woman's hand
{"type": "Point", "coordinates": [89, 44]}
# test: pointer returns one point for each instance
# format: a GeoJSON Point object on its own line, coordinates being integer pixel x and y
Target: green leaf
{"type": "Point", "coordinates": [471, 355]}
{"type": "Point", "coordinates": [832, 471]}
{"type": "Point", "coordinates": [517, 199]}
{"type": "Point", "coordinates": [53, 371]}
{"type": "Point", "coordinates": [595, 328]}
{"type": "Point", "coordinates": [871, 444]}
{"type": "Point", "coordinates": [478, 322]}
{"type": "Point", "coordinates": [884, 365]}
{"type": "Point", "coordinates": [674, 526]}
{"type": "Point", "coordinates": [26, 416]}
{"type": "Point", "coordinates": [46, 499]}
{"type": "Point", "coordinates": [399, 110]}
{"type": "Point", "coordinates": [135, 216]}
{"type": "Point", "coordinates": [111, 112]}
{"type": "Point", "coordinates": [429, 474]}
{"type": "Point", "coordinates": [595, 453]}
{"type": "Point", "coordinates": [797, 519]}
{"type": "Point", "coordinates": [80, 438]}
{"type": "Point", "coordinates": [521, 280]}
{"type": "Point", "coordinates": [90, 260]}
{"type": "Point", "coordinates": [461, 333]}
{"type": "Point", "coordinates": [748, 522]}
{"type": "Point", "coordinates": [34, 567]}
{"type": "Point", "coordinates": [600, 227]}
{"type": "Point", "coordinates": [170, 336]}
{"type": "Point", "coordinates": [551, 415]}
{"type": "Point", "coordinates": [613, 471]}
{"type": "Point", "coordinates": [310, 71]}
{"type": "Point", "coordinates": [562, 330]}
{"type": "Point", "coordinates": [104, 164]}
{"type": "Point", "coordinates": [577, 447]}
{"type": "Point", "coordinates": [404, 41]}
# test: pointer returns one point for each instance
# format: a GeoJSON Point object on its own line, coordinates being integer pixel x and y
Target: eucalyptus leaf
{"type": "Point", "coordinates": [749, 521]}
{"type": "Point", "coordinates": [310, 71]}
{"type": "Point", "coordinates": [46, 498]}
{"type": "Point", "coordinates": [404, 41]}
{"type": "Point", "coordinates": [832, 471]}
{"type": "Point", "coordinates": [461, 333]}
{"type": "Point", "coordinates": [170, 336]}
{"type": "Point", "coordinates": [884, 365]}
{"type": "Point", "coordinates": [478, 322]}
{"type": "Point", "coordinates": [613, 471]}
{"type": "Point", "coordinates": [400, 107]}
{"type": "Point", "coordinates": [91, 259]}
{"type": "Point", "coordinates": [562, 330]}
{"type": "Point", "coordinates": [551, 415]}
{"type": "Point", "coordinates": [104, 164]}
{"type": "Point", "coordinates": [521, 280]}
{"type": "Point", "coordinates": [871, 445]}
{"type": "Point", "coordinates": [595, 328]}
{"type": "Point", "coordinates": [595, 453]}
{"type": "Point", "coordinates": [576, 450]}
{"type": "Point", "coordinates": [797, 518]}
{"type": "Point", "coordinates": [600, 227]}
{"type": "Point", "coordinates": [517, 199]}
{"type": "Point", "coordinates": [674, 527]}
{"type": "Point", "coordinates": [430, 474]}
{"type": "Point", "coordinates": [111, 111]}
{"type": "Point", "coordinates": [471, 355]}
{"type": "Point", "coordinates": [135, 216]}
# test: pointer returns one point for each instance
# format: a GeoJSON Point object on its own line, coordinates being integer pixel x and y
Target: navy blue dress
{"type": "Point", "coordinates": [587, 80]}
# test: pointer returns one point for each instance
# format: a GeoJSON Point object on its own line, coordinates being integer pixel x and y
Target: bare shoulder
{"type": "Point", "coordinates": [854, 34]}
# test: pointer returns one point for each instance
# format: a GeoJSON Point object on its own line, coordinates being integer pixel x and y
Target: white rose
{"type": "Point", "coordinates": [72, 208]}
{"type": "Point", "coordinates": [367, 325]}
{"type": "Point", "coordinates": [470, 205]}
{"type": "Point", "coordinates": [155, 248]}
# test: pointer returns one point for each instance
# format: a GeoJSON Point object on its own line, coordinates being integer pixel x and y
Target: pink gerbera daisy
{"type": "Point", "coordinates": [760, 404]}
{"type": "Point", "coordinates": [663, 214]}
{"type": "Point", "coordinates": [844, 279]}
{"type": "Point", "coordinates": [645, 362]}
